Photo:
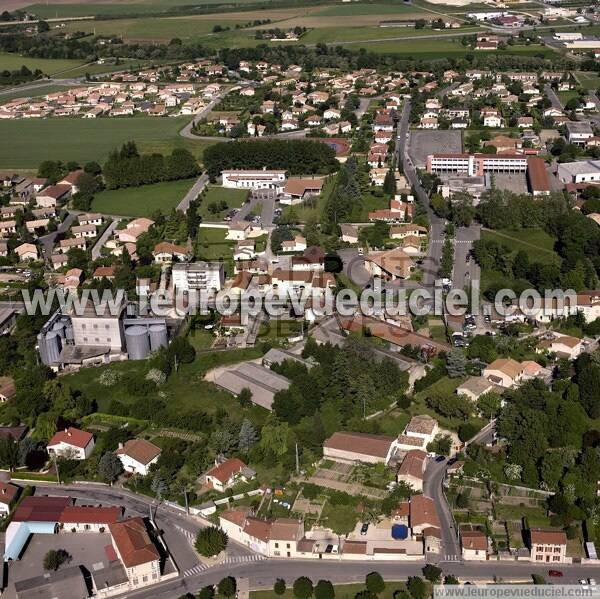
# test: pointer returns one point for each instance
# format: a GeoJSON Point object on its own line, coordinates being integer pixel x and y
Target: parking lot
{"type": "Point", "coordinates": [423, 143]}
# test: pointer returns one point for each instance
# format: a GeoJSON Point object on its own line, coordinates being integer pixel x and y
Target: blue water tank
{"type": "Point", "coordinates": [399, 532]}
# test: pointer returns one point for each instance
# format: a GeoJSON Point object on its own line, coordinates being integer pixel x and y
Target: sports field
{"type": "Point", "coordinates": [35, 140]}
{"type": "Point", "coordinates": [142, 201]}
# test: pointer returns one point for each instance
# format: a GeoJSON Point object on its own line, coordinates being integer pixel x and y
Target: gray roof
{"type": "Point", "coordinates": [262, 382]}
{"type": "Point", "coordinates": [108, 575]}
{"type": "Point", "coordinates": [579, 127]}
{"type": "Point", "coordinates": [581, 167]}
{"type": "Point", "coordinates": [67, 583]}
{"type": "Point", "coordinates": [277, 356]}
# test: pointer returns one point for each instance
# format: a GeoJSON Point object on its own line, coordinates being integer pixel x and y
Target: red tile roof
{"type": "Point", "coordinates": [360, 443]}
{"type": "Point", "coordinates": [77, 514]}
{"type": "Point", "coordinates": [133, 542]}
{"type": "Point", "coordinates": [72, 436]}
{"type": "Point", "coordinates": [223, 472]}
{"type": "Point", "coordinates": [8, 493]}
{"type": "Point", "coordinates": [41, 509]}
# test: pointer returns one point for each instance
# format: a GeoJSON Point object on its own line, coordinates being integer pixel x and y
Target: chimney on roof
{"type": "Point", "coordinates": [68, 432]}
{"type": "Point", "coordinates": [120, 445]}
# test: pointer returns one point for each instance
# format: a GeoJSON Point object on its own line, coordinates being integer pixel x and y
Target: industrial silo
{"type": "Point", "coordinates": [53, 347]}
{"type": "Point", "coordinates": [137, 342]}
{"type": "Point", "coordinates": [59, 329]}
{"type": "Point", "coordinates": [41, 341]}
{"type": "Point", "coordinates": [158, 336]}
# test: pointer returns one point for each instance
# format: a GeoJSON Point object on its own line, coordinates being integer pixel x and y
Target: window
{"type": "Point", "coordinates": [276, 545]}
{"type": "Point", "coordinates": [144, 579]}
{"type": "Point", "coordinates": [539, 558]}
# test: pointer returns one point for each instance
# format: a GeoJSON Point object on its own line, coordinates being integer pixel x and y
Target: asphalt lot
{"type": "Point", "coordinates": [85, 549]}
{"type": "Point", "coordinates": [515, 182]}
{"type": "Point", "coordinates": [422, 143]}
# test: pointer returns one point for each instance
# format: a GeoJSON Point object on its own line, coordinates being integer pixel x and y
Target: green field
{"type": "Point", "coordinates": [359, 34]}
{"type": "Point", "coordinates": [589, 81]}
{"type": "Point", "coordinates": [142, 201]}
{"type": "Point", "coordinates": [49, 66]}
{"type": "Point", "coordinates": [159, 29]}
{"type": "Point", "coordinates": [356, 9]}
{"type": "Point", "coordinates": [118, 8]}
{"type": "Point", "coordinates": [35, 140]}
{"type": "Point", "coordinates": [38, 91]}
{"type": "Point", "coordinates": [233, 197]}
{"type": "Point", "coordinates": [537, 243]}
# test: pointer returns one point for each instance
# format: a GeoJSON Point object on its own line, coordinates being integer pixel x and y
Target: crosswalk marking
{"type": "Point", "coordinates": [241, 559]}
{"type": "Point", "coordinates": [451, 558]}
{"type": "Point", "coordinates": [196, 569]}
{"type": "Point", "coordinates": [190, 535]}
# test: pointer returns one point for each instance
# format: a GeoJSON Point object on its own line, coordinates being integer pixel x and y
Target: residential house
{"type": "Point", "coordinates": [548, 546]}
{"type": "Point", "coordinates": [226, 473]}
{"type": "Point", "coordinates": [53, 195]}
{"type": "Point", "coordinates": [166, 253]}
{"type": "Point", "coordinates": [475, 386]}
{"type": "Point", "coordinates": [358, 447]}
{"type": "Point", "coordinates": [137, 455]}
{"type": "Point", "coordinates": [412, 469]}
{"type": "Point", "coordinates": [7, 388]}
{"type": "Point", "coordinates": [8, 494]}
{"type": "Point", "coordinates": [504, 372]}
{"type": "Point", "coordinates": [71, 443]}
{"type": "Point", "coordinates": [389, 264]}
{"type": "Point", "coordinates": [474, 545]}
{"type": "Point", "coordinates": [26, 252]}
{"type": "Point", "coordinates": [349, 233]}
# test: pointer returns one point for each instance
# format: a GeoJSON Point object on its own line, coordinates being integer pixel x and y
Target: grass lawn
{"type": "Point", "coordinates": [211, 245]}
{"type": "Point", "coordinates": [42, 90]}
{"type": "Point", "coordinates": [369, 202]}
{"type": "Point", "coordinates": [142, 201]}
{"type": "Point", "coordinates": [186, 390]}
{"type": "Point", "coordinates": [277, 329]}
{"type": "Point", "coordinates": [88, 139]}
{"type": "Point", "coordinates": [537, 243]}
{"type": "Point", "coordinates": [445, 385]}
{"type": "Point", "coordinates": [233, 197]}
{"type": "Point", "coordinates": [565, 96]}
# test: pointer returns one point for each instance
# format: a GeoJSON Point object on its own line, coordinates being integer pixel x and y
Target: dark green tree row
{"type": "Point", "coordinates": [298, 157]}
{"type": "Point", "coordinates": [128, 168]}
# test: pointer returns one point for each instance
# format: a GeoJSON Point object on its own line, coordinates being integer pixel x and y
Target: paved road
{"type": "Point", "coordinates": [47, 241]}
{"type": "Point", "coordinates": [263, 573]}
{"type": "Point", "coordinates": [187, 130]}
{"type": "Point", "coordinates": [192, 193]}
{"type": "Point", "coordinates": [97, 249]}
{"type": "Point", "coordinates": [465, 272]}
{"type": "Point", "coordinates": [431, 261]}
{"type": "Point", "coordinates": [433, 487]}
{"type": "Point", "coordinates": [553, 97]}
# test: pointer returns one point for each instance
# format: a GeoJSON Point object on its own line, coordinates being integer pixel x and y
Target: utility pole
{"type": "Point", "coordinates": [297, 461]}
{"type": "Point", "coordinates": [56, 467]}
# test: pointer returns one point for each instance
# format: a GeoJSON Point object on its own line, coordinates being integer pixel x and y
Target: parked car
{"type": "Point", "coordinates": [555, 573]}
{"type": "Point", "coordinates": [329, 549]}
{"type": "Point", "coordinates": [364, 528]}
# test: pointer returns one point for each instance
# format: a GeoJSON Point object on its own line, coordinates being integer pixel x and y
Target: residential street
{"type": "Point", "coordinates": [431, 261]}
{"type": "Point", "coordinates": [465, 272]}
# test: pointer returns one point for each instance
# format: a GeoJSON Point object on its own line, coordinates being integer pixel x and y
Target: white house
{"type": "Point", "coordinates": [225, 474]}
{"type": "Point", "coordinates": [474, 545]}
{"type": "Point", "coordinates": [71, 443]}
{"type": "Point", "coordinates": [137, 455]}
{"type": "Point", "coordinates": [8, 494]}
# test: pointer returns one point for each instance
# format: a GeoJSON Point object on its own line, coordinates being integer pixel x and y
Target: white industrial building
{"type": "Point", "coordinates": [254, 179]}
{"type": "Point", "coordinates": [582, 171]}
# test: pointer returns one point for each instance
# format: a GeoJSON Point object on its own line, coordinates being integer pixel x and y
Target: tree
{"type": "Point", "coordinates": [324, 590]}
{"type": "Point", "coordinates": [211, 541]}
{"type": "Point", "coordinates": [417, 587]}
{"type": "Point", "coordinates": [279, 587]}
{"type": "Point", "coordinates": [450, 579]}
{"type": "Point", "coordinates": [55, 558]}
{"type": "Point", "coordinates": [245, 397]}
{"type": "Point", "coordinates": [374, 583]}
{"type": "Point", "coordinates": [489, 405]}
{"type": "Point", "coordinates": [432, 573]}
{"type": "Point", "coordinates": [247, 436]}
{"type": "Point", "coordinates": [109, 467]}
{"type": "Point", "coordinates": [303, 587]}
{"type": "Point", "coordinates": [456, 363]}
{"type": "Point", "coordinates": [207, 592]}
{"type": "Point", "coordinates": [227, 587]}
